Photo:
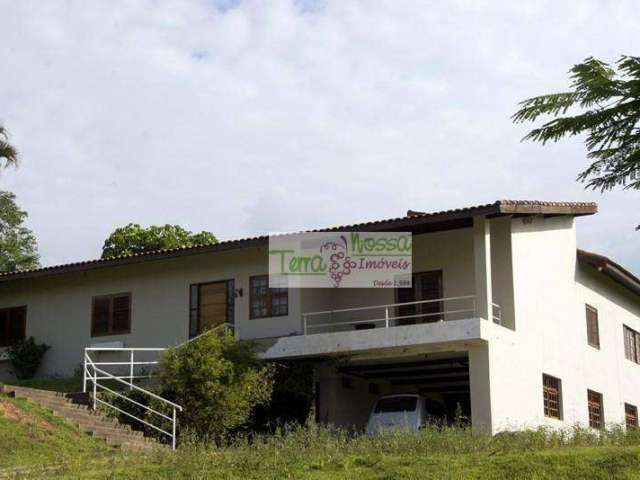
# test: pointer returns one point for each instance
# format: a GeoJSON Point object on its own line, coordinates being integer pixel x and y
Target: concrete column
{"type": "Point", "coordinates": [482, 264]}
{"type": "Point", "coordinates": [480, 389]}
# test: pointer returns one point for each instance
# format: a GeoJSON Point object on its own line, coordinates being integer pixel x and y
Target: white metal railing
{"type": "Point", "coordinates": [391, 315]}
{"type": "Point", "coordinates": [94, 374]}
{"type": "Point", "coordinates": [496, 314]}
{"type": "Point", "coordinates": [131, 363]}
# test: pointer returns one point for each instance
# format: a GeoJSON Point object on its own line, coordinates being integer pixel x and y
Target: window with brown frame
{"type": "Point", "coordinates": [631, 344]}
{"type": "Point", "coordinates": [596, 412]}
{"type": "Point", "coordinates": [111, 314]}
{"type": "Point", "coordinates": [265, 301]}
{"type": "Point", "coordinates": [630, 415]}
{"type": "Point", "coordinates": [552, 396]}
{"type": "Point", "coordinates": [593, 333]}
{"type": "Point", "coordinates": [210, 304]}
{"type": "Point", "coordinates": [13, 323]}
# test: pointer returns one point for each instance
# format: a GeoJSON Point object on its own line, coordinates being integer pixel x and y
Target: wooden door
{"type": "Point", "coordinates": [212, 305]}
{"type": "Point", "coordinates": [425, 286]}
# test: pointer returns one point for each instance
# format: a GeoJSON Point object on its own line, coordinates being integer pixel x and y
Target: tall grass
{"type": "Point", "coordinates": [296, 444]}
{"type": "Point", "coordinates": [315, 452]}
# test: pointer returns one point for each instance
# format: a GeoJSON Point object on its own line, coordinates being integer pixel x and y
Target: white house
{"type": "Point", "coordinates": [506, 317]}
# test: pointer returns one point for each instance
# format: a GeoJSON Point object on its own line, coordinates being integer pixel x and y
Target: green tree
{"type": "Point", "coordinates": [18, 246]}
{"type": "Point", "coordinates": [136, 239]}
{"type": "Point", "coordinates": [8, 153]}
{"type": "Point", "coordinates": [604, 104]}
{"type": "Point", "coordinates": [217, 380]}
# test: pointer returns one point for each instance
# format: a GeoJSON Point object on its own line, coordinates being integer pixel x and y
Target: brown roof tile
{"type": "Point", "coordinates": [413, 218]}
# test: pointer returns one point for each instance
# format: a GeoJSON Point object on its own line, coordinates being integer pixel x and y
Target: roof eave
{"type": "Point", "coordinates": [611, 269]}
{"type": "Point", "coordinates": [443, 220]}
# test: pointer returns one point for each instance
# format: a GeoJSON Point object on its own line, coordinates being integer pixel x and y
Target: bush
{"type": "Point", "coordinates": [138, 411]}
{"type": "Point", "coordinates": [292, 397]}
{"type": "Point", "coordinates": [25, 358]}
{"type": "Point", "coordinates": [217, 380]}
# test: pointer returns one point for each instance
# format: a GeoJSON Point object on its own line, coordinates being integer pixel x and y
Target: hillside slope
{"type": "Point", "coordinates": [32, 437]}
{"type": "Point", "coordinates": [35, 444]}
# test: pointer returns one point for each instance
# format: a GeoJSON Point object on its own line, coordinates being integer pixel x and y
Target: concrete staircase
{"type": "Point", "coordinates": [75, 410]}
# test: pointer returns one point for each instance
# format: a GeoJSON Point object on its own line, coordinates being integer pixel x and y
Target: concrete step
{"type": "Point", "coordinates": [83, 417]}
{"type": "Point", "coordinates": [32, 392]}
{"type": "Point", "coordinates": [60, 403]}
{"type": "Point", "coordinates": [119, 438]}
{"type": "Point", "coordinates": [87, 419]}
{"type": "Point", "coordinates": [114, 431]}
{"type": "Point", "coordinates": [135, 446]}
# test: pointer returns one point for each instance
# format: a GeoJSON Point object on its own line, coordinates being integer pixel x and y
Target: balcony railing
{"type": "Point", "coordinates": [395, 314]}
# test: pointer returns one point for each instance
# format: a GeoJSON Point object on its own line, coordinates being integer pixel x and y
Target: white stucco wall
{"type": "Point", "coordinates": [550, 292]}
{"type": "Point", "coordinates": [607, 370]}
{"type": "Point", "coordinates": [449, 251]}
{"type": "Point", "coordinates": [535, 279]}
{"type": "Point", "coordinates": [59, 307]}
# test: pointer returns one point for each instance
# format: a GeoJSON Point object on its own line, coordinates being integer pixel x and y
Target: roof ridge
{"type": "Point", "coordinates": [527, 207]}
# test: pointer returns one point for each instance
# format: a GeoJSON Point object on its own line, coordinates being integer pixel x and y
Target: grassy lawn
{"type": "Point", "coordinates": [31, 437]}
{"type": "Point", "coordinates": [595, 462]}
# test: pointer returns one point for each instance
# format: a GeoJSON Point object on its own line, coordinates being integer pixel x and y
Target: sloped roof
{"type": "Point", "coordinates": [610, 268]}
{"type": "Point", "coordinates": [414, 220]}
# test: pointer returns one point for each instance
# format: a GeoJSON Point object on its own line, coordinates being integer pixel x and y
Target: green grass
{"type": "Point", "coordinates": [37, 437]}
{"type": "Point", "coordinates": [322, 454]}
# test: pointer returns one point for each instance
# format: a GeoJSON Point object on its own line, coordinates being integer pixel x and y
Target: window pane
{"type": "Point", "coordinates": [17, 323]}
{"type": "Point", "coordinates": [193, 311]}
{"type": "Point", "coordinates": [121, 313]}
{"type": "Point", "coordinates": [631, 344]}
{"type": "Point", "coordinates": [551, 396]}
{"type": "Point", "coordinates": [100, 315]}
{"type": "Point", "coordinates": [266, 302]}
{"type": "Point", "coordinates": [593, 334]}
{"type": "Point", "coordinates": [4, 328]}
{"type": "Point", "coordinates": [594, 400]}
{"type": "Point", "coordinates": [631, 415]}
{"type": "Point", "coordinates": [396, 404]}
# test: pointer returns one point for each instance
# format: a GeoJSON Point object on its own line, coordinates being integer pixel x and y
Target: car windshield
{"type": "Point", "coordinates": [396, 404]}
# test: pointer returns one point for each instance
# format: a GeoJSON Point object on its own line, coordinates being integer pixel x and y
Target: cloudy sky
{"type": "Point", "coordinates": [249, 117]}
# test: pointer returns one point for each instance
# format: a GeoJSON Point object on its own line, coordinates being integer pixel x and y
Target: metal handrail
{"type": "Point", "coordinates": [390, 319]}
{"type": "Point", "coordinates": [391, 305]}
{"type": "Point", "coordinates": [206, 332]}
{"type": "Point", "coordinates": [94, 374]}
{"type": "Point", "coordinates": [496, 313]}
{"type": "Point", "coordinates": [131, 363]}
{"type": "Point", "coordinates": [385, 319]}
{"type": "Point", "coordinates": [122, 349]}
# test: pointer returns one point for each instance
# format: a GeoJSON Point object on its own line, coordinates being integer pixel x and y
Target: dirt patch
{"type": "Point", "coordinates": [12, 412]}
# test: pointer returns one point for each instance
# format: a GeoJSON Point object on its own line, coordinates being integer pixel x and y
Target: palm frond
{"type": "Point", "coordinates": [8, 153]}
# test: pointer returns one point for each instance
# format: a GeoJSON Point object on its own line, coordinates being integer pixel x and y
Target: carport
{"type": "Point", "coordinates": [347, 391]}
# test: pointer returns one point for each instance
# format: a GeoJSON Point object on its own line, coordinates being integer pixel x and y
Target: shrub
{"type": "Point", "coordinates": [292, 397]}
{"type": "Point", "coordinates": [137, 410]}
{"type": "Point", "coordinates": [217, 380]}
{"type": "Point", "coordinates": [25, 358]}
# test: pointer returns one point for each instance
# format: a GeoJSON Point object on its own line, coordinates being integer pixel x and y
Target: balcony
{"type": "Point", "coordinates": [428, 325]}
{"type": "Point", "coordinates": [394, 315]}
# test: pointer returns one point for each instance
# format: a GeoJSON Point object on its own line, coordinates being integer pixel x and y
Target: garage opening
{"type": "Point", "coordinates": [442, 381]}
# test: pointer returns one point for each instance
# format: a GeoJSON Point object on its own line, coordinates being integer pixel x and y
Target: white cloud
{"type": "Point", "coordinates": [246, 117]}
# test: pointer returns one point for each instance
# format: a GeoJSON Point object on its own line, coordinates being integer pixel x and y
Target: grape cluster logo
{"type": "Point", "coordinates": [340, 260]}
